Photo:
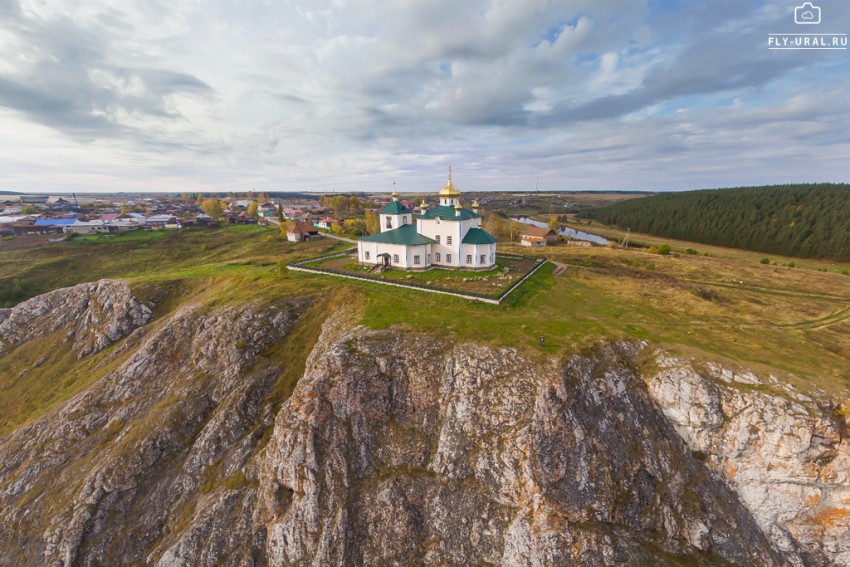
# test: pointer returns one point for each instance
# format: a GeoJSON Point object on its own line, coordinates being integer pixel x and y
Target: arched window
{"type": "Point", "coordinates": [403, 220]}
{"type": "Point", "coordinates": [389, 222]}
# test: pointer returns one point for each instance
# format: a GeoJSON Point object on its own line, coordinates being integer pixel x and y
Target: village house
{"type": "Point", "coordinates": [530, 234]}
{"type": "Point", "coordinates": [301, 231]}
{"type": "Point", "coordinates": [327, 223]}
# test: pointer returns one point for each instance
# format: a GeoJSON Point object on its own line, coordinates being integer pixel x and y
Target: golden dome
{"type": "Point", "coordinates": [475, 204]}
{"type": "Point", "coordinates": [423, 204]}
{"type": "Point", "coordinates": [457, 206]}
{"type": "Point", "coordinates": [449, 190]}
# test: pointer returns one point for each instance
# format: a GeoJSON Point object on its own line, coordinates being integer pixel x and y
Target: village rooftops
{"type": "Point", "coordinates": [540, 231]}
{"type": "Point", "coordinates": [302, 228]}
{"type": "Point", "coordinates": [54, 222]}
{"type": "Point", "coordinates": [405, 234]}
{"type": "Point", "coordinates": [448, 213]}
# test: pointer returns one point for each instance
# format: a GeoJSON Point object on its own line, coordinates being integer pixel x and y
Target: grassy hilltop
{"type": "Point", "coordinates": [808, 221]}
{"type": "Point", "coordinates": [793, 322]}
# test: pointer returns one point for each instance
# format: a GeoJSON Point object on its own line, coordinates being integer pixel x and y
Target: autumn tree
{"type": "Point", "coordinates": [373, 221]}
{"type": "Point", "coordinates": [253, 209]}
{"type": "Point", "coordinates": [353, 204]}
{"type": "Point", "coordinates": [340, 205]}
{"type": "Point", "coordinates": [212, 207]}
{"type": "Point", "coordinates": [355, 226]}
{"type": "Point", "coordinates": [553, 224]}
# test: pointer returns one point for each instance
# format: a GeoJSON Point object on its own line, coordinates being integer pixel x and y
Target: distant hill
{"type": "Point", "coordinates": [809, 221]}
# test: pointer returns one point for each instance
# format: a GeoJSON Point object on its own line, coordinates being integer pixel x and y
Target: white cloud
{"type": "Point", "coordinates": [223, 95]}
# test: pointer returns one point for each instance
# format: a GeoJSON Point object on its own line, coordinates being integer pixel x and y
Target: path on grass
{"type": "Point", "coordinates": [337, 237]}
{"type": "Point", "coordinates": [559, 268]}
{"type": "Point", "coordinates": [832, 319]}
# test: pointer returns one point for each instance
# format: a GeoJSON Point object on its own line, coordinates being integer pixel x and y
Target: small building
{"type": "Point", "coordinates": [327, 222]}
{"type": "Point", "coordinates": [301, 231]}
{"type": "Point", "coordinates": [532, 241]}
{"type": "Point", "coordinates": [547, 234]}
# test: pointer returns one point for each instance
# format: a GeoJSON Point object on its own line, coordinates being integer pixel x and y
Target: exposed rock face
{"type": "Point", "coordinates": [786, 458]}
{"type": "Point", "coordinates": [148, 462]}
{"type": "Point", "coordinates": [92, 315]}
{"type": "Point", "coordinates": [398, 448]}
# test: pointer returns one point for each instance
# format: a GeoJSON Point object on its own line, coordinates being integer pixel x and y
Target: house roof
{"type": "Point", "coordinates": [537, 231]}
{"type": "Point", "coordinates": [533, 238]}
{"type": "Point", "coordinates": [54, 222]}
{"type": "Point", "coordinates": [478, 236]}
{"type": "Point", "coordinates": [303, 228]}
{"type": "Point", "coordinates": [395, 208]}
{"type": "Point", "coordinates": [448, 213]}
{"type": "Point", "coordinates": [405, 234]}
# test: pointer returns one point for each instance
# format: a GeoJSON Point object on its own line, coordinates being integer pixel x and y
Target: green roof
{"type": "Point", "coordinates": [394, 208]}
{"type": "Point", "coordinates": [405, 234]}
{"type": "Point", "coordinates": [478, 236]}
{"type": "Point", "coordinates": [447, 213]}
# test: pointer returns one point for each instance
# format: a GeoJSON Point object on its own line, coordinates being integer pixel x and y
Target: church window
{"type": "Point", "coordinates": [438, 256]}
{"type": "Point", "coordinates": [492, 257]}
{"type": "Point", "coordinates": [389, 222]}
{"type": "Point", "coordinates": [416, 260]}
{"type": "Point", "coordinates": [448, 241]}
{"type": "Point", "coordinates": [395, 258]}
{"type": "Point", "coordinates": [448, 258]}
{"type": "Point", "coordinates": [483, 258]}
{"type": "Point", "coordinates": [469, 258]}
{"type": "Point", "coordinates": [403, 220]}
{"type": "Point", "coordinates": [429, 258]}
{"type": "Point", "coordinates": [366, 255]}
{"type": "Point", "coordinates": [437, 238]}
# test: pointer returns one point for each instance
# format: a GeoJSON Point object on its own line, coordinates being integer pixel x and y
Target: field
{"type": "Point", "coordinates": [791, 322]}
{"type": "Point", "coordinates": [490, 282]}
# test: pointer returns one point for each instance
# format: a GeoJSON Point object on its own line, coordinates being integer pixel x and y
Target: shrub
{"type": "Point", "coordinates": [664, 249]}
{"type": "Point", "coordinates": [792, 265]}
{"type": "Point", "coordinates": [765, 260]}
{"type": "Point", "coordinates": [691, 251]}
{"type": "Point", "coordinates": [845, 272]}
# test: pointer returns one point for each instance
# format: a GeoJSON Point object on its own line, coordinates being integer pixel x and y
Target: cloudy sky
{"type": "Point", "coordinates": [206, 95]}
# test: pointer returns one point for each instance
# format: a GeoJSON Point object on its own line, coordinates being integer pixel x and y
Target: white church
{"type": "Point", "coordinates": [445, 236]}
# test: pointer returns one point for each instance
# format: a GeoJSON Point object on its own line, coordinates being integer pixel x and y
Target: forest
{"type": "Point", "coordinates": [807, 220]}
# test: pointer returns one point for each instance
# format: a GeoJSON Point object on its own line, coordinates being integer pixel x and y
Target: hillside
{"type": "Point", "coordinates": [202, 437]}
{"type": "Point", "coordinates": [207, 410]}
{"type": "Point", "coordinates": [807, 221]}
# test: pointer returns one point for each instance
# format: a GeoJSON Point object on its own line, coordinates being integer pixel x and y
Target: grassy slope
{"type": "Point", "coordinates": [794, 323]}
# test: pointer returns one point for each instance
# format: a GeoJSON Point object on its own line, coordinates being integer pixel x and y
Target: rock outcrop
{"type": "Point", "coordinates": [787, 457]}
{"type": "Point", "coordinates": [398, 448]}
{"type": "Point", "coordinates": [149, 462]}
{"type": "Point", "coordinates": [91, 315]}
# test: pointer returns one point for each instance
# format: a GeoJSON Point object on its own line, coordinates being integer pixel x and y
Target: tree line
{"type": "Point", "coordinates": [806, 220]}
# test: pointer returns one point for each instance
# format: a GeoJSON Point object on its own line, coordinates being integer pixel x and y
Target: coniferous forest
{"type": "Point", "coordinates": [809, 221]}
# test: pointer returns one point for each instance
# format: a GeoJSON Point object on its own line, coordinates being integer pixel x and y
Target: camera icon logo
{"type": "Point", "coordinates": [808, 13]}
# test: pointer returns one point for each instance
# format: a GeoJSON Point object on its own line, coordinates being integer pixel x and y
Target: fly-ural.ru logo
{"type": "Point", "coordinates": [807, 15]}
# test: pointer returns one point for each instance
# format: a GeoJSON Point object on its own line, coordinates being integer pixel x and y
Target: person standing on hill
{"type": "Point", "coordinates": [541, 340]}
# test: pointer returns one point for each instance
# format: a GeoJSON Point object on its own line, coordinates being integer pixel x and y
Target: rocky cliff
{"type": "Point", "coordinates": [191, 447]}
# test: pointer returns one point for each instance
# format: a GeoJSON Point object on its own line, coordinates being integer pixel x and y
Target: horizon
{"type": "Point", "coordinates": [645, 96]}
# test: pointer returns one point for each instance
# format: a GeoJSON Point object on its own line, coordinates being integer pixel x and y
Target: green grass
{"type": "Point", "coordinates": [726, 306]}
